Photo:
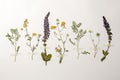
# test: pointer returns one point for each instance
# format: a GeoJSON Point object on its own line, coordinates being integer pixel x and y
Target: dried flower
{"type": "Point", "coordinates": [62, 24]}
{"type": "Point", "coordinates": [109, 33]}
{"type": "Point", "coordinates": [61, 49]}
{"type": "Point", "coordinates": [46, 27]}
{"type": "Point", "coordinates": [46, 57]}
{"type": "Point", "coordinates": [53, 27]}
{"type": "Point", "coordinates": [34, 34]}
{"type": "Point", "coordinates": [58, 49]}
{"type": "Point", "coordinates": [29, 40]}
{"type": "Point", "coordinates": [95, 43]}
{"type": "Point", "coordinates": [79, 33]}
{"type": "Point", "coordinates": [14, 37]}
{"type": "Point", "coordinates": [25, 23]}
{"type": "Point", "coordinates": [108, 29]}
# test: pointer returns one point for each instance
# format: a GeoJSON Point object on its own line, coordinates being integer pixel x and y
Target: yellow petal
{"type": "Point", "coordinates": [53, 27]}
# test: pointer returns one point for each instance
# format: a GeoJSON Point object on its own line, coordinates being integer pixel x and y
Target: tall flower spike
{"type": "Point", "coordinates": [108, 29]}
{"type": "Point", "coordinates": [46, 27]}
{"type": "Point", "coordinates": [109, 33]}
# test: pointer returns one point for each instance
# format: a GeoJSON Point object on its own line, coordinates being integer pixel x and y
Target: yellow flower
{"type": "Point", "coordinates": [63, 24]}
{"type": "Point", "coordinates": [34, 34]}
{"type": "Point", "coordinates": [25, 23]}
{"type": "Point", "coordinates": [58, 50]}
{"type": "Point", "coordinates": [53, 27]}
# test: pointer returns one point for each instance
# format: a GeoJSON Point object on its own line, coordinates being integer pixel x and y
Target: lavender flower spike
{"type": "Point", "coordinates": [108, 29]}
{"type": "Point", "coordinates": [46, 27]}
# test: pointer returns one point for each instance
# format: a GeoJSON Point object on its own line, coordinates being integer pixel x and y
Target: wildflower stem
{"type": "Point", "coordinates": [95, 45]}
{"type": "Point", "coordinates": [15, 45]}
{"type": "Point", "coordinates": [77, 45]}
{"type": "Point", "coordinates": [63, 44]}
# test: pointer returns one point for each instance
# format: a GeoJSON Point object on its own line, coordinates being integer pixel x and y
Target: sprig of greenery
{"type": "Point", "coordinates": [29, 38]}
{"type": "Point", "coordinates": [60, 49]}
{"type": "Point", "coordinates": [95, 44]}
{"type": "Point", "coordinates": [14, 37]}
{"type": "Point", "coordinates": [79, 34]}
{"type": "Point", "coordinates": [109, 33]}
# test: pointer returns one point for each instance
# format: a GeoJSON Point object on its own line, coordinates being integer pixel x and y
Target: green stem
{"type": "Point", "coordinates": [78, 49]}
{"type": "Point", "coordinates": [15, 45]}
{"type": "Point", "coordinates": [45, 50]}
{"type": "Point", "coordinates": [63, 44]}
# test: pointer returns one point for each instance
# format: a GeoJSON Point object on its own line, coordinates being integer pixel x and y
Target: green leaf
{"type": "Point", "coordinates": [74, 27]}
{"type": "Point", "coordinates": [46, 57]}
{"type": "Point", "coordinates": [73, 43]}
{"type": "Point", "coordinates": [79, 24]}
{"type": "Point", "coordinates": [8, 35]}
{"type": "Point", "coordinates": [18, 48]}
{"type": "Point", "coordinates": [103, 58]}
{"type": "Point", "coordinates": [85, 52]}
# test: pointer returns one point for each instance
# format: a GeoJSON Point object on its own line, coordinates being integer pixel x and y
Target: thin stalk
{"type": "Point", "coordinates": [63, 44]}
{"type": "Point", "coordinates": [45, 50]}
{"type": "Point", "coordinates": [77, 45]}
{"type": "Point", "coordinates": [95, 45]}
{"type": "Point", "coordinates": [15, 43]}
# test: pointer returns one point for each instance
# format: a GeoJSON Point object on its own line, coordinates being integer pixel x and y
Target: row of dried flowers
{"type": "Point", "coordinates": [14, 36]}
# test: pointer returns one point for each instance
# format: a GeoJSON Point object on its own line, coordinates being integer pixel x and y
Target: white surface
{"type": "Point", "coordinates": [89, 12]}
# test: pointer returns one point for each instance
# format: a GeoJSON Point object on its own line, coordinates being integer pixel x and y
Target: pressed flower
{"type": "Point", "coordinates": [108, 29]}
{"type": "Point", "coordinates": [46, 27]}
{"type": "Point", "coordinates": [14, 37]}
{"type": "Point", "coordinates": [53, 27]}
{"type": "Point", "coordinates": [25, 23]}
{"type": "Point", "coordinates": [109, 33]}
{"type": "Point", "coordinates": [34, 34]}
{"type": "Point", "coordinates": [79, 33]}
{"type": "Point", "coordinates": [63, 24]}
{"type": "Point", "coordinates": [58, 49]}
{"type": "Point", "coordinates": [46, 57]}
{"type": "Point", "coordinates": [61, 49]}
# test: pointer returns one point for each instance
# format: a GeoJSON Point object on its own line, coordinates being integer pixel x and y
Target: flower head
{"type": "Point", "coordinates": [63, 24]}
{"type": "Point", "coordinates": [25, 23]}
{"type": "Point", "coordinates": [34, 34]}
{"type": "Point", "coordinates": [53, 27]}
{"type": "Point", "coordinates": [108, 29]}
{"type": "Point", "coordinates": [46, 27]}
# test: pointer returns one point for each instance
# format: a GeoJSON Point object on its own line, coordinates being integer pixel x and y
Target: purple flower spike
{"type": "Point", "coordinates": [46, 27]}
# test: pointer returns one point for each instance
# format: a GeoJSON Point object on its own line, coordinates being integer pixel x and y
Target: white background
{"type": "Point", "coordinates": [89, 12]}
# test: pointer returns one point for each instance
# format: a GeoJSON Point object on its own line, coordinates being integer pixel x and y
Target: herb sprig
{"type": "Point", "coordinates": [14, 37]}
{"type": "Point", "coordinates": [79, 33]}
